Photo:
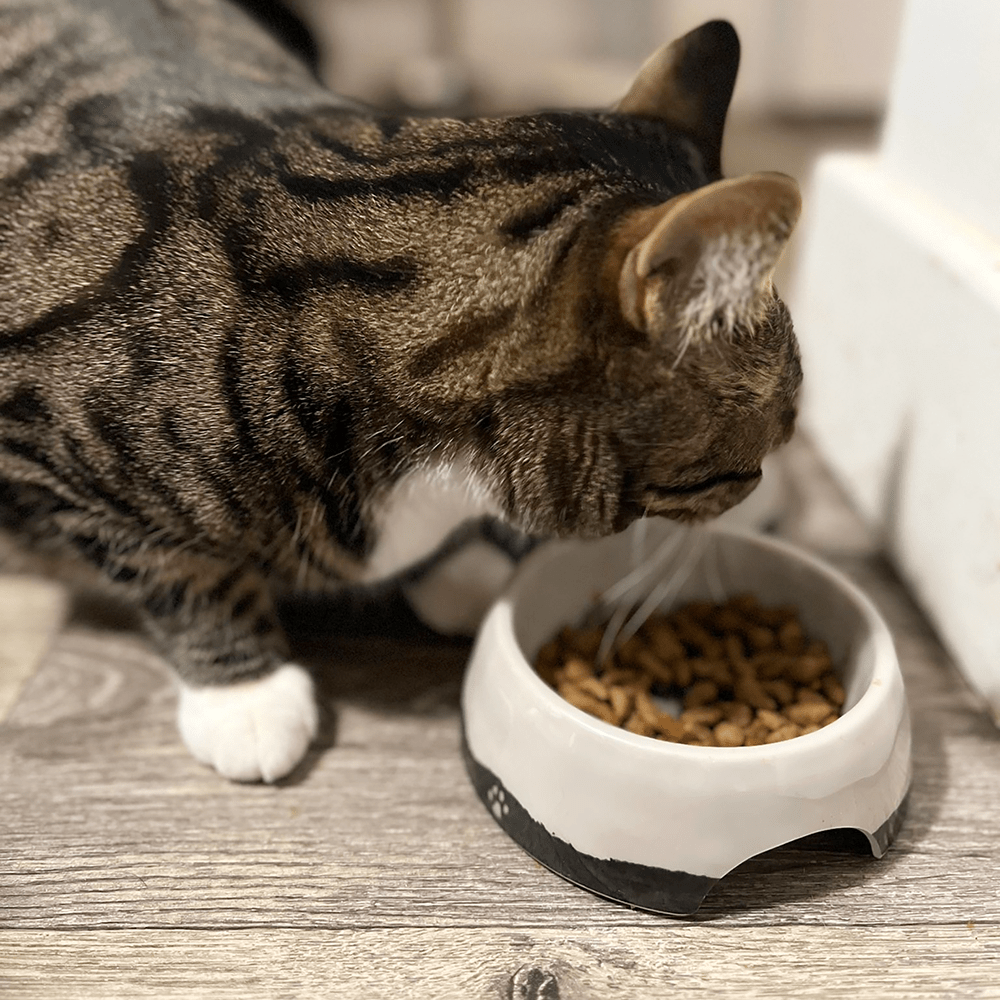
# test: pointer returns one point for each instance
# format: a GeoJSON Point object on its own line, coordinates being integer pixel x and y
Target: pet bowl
{"type": "Point", "coordinates": [653, 824]}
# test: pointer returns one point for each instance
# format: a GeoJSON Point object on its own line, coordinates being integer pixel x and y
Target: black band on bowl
{"type": "Point", "coordinates": [659, 890]}
{"type": "Point", "coordinates": [642, 886]}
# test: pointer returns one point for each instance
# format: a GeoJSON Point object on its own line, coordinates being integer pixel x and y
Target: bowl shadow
{"type": "Point", "coordinates": [804, 870]}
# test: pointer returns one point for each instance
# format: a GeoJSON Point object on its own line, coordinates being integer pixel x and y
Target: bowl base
{"type": "Point", "coordinates": [673, 893]}
{"type": "Point", "coordinates": [643, 887]}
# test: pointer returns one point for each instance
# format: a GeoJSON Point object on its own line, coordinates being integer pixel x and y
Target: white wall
{"type": "Point", "coordinates": [944, 132]}
{"type": "Point", "coordinates": [898, 310]}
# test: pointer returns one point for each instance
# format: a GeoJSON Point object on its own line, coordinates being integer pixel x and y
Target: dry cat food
{"type": "Point", "coordinates": [745, 674]}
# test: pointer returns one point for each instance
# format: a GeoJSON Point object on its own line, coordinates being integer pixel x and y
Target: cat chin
{"type": "Point", "coordinates": [251, 731]}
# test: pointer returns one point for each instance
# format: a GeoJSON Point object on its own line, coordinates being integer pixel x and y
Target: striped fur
{"type": "Point", "coordinates": [236, 312]}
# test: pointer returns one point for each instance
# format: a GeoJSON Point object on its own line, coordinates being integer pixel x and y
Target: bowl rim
{"type": "Point", "coordinates": [885, 661]}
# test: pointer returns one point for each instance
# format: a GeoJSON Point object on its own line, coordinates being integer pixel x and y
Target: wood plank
{"type": "Point", "coordinates": [108, 823]}
{"type": "Point", "coordinates": [447, 963]}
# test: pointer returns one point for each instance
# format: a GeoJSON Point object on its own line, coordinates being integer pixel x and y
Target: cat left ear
{"type": "Point", "coordinates": [689, 84]}
{"type": "Point", "coordinates": [704, 261]}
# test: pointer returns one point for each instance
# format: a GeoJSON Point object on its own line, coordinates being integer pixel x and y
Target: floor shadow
{"type": "Point", "coordinates": [370, 649]}
{"type": "Point", "coordinates": [365, 647]}
{"type": "Point", "coordinates": [98, 610]}
{"type": "Point", "coordinates": [804, 870]}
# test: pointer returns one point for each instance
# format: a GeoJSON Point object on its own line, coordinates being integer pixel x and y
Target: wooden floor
{"type": "Point", "coordinates": [127, 870]}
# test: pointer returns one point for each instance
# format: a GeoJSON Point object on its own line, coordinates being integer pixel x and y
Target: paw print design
{"type": "Point", "coordinates": [497, 802]}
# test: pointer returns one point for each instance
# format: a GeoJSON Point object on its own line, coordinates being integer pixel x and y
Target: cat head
{"type": "Point", "coordinates": [684, 368]}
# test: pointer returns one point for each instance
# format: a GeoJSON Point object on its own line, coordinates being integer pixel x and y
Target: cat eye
{"type": "Point", "coordinates": [710, 482]}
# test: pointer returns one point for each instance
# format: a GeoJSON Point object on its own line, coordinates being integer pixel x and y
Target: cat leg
{"type": "Point", "coordinates": [243, 708]}
{"type": "Point", "coordinates": [454, 594]}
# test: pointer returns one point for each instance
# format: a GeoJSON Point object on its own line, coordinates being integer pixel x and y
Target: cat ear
{"type": "Point", "coordinates": [704, 261]}
{"type": "Point", "coordinates": [689, 84]}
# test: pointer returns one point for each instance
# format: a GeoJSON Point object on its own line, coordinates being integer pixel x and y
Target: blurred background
{"type": "Point", "coordinates": [814, 75]}
{"type": "Point", "coordinates": [800, 57]}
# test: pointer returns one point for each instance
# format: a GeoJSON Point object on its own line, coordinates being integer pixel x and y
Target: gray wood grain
{"type": "Point", "coordinates": [109, 824]}
{"type": "Point", "coordinates": [503, 962]}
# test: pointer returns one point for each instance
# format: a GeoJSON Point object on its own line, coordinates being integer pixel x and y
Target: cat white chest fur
{"type": "Point", "coordinates": [421, 511]}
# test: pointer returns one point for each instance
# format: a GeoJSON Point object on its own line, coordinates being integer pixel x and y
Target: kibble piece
{"type": "Point", "coordinates": [699, 611]}
{"type": "Point", "coordinates": [771, 665]}
{"type": "Point", "coordinates": [834, 690]}
{"type": "Point", "coordinates": [808, 668]}
{"type": "Point", "coordinates": [587, 702]}
{"type": "Point", "coordinates": [622, 702]}
{"type": "Point", "coordinates": [663, 640]}
{"type": "Point", "coordinates": [760, 638]}
{"type": "Point", "coordinates": [807, 695]}
{"type": "Point", "coordinates": [727, 619]}
{"type": "Point", "coordinates": [738, 713]}
{"type": "Point", "coordinates": [786, 732]}
{"type": "Point", "coordinates": [576, 669]}
{"type": "Point", "coordinates": [695, 732]}
{"type": "Point", "coordinates": [735, 653]}
{"type": "Point", "coordinates": [635, 724]}
{"type": "Point", "coordinates": [782, 691]}
{"type": "Point", "coordinates": [683, 674]}
{"type": "Point", "coordinates": [756, 734]}
{"type": "Point", "coordinates": [712, 670]}
{"type": "Point", "coordinates": [745, 603]}
{"type": "Point", "coordinates": [728, 734]}
{"type": "Point", "coordinates": [772, 616]}
{"type": "Point", "coordinates": [673, 729]}
{"type": "Point", "coordinates": [583, 641]}
{"type": "Point", "coordinates": [693, 634]}
{"type": "Point", "coordinates": [808, 712]}
{"type": "Point", "coordinates": [706, 715]}
{"type": "Point", "coordinates": [648, 661]}
{"type": "Point", "coordinates": [548, 661]}
{"type": "Point", "coordinates": [649, 713]}
{"type": "Point", "coordinates": [791, 638]}
{"type": "Point", "coordinates": [630, 650]}
{"type": "Point", "coordinates": [701, 693]}
{"type": "Point", "coordinates": [619, 675]}
{"type": "Point", "coordinates": [773, 720]}
{"type": "Point", "coordinates": [593, 686]}
{"type": "Point", "coordinates": [749, 690]}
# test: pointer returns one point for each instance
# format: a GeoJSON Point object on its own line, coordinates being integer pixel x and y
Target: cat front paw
{"type": "Point", "coordinates": [251, 731]}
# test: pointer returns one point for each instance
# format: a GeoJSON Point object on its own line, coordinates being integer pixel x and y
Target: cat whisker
{"type": "Point", "coordinates": [621, 598]}
{"type": "Point", "coordinates": [668, 588]}
{"type": "Point", "coordinates": [714, 574]}
{"type": "Point", "coordinates": [686, 341]}
{"type": "Point", "coordinates": [649, 565]}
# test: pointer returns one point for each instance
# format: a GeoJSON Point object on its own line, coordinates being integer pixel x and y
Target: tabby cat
{"type": "Point", "coordinates": [256, 339]}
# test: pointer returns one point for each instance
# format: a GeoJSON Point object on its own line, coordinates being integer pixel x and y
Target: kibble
{"type": "Point", "coordinates": [746, 674]}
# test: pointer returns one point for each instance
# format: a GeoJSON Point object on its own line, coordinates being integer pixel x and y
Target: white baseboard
{"type": "Point", "coordinates": [897, 305]}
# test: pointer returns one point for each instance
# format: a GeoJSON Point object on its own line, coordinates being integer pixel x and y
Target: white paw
{"type": "Point", "coordinates": [454, 596]}
{"type": "Point", "coordinates": [253, 731]}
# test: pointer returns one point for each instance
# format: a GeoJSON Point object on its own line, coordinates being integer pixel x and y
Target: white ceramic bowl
{"type": "Point", "coordinates": [654, 824]}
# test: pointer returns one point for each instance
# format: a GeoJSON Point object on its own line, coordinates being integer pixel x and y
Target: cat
{"type": "Point", "coordinates": [256, 338]}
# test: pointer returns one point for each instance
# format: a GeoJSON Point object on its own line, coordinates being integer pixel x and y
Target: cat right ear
{"type": "Point", "coordinates": [700, 264]}
{"type": "Point", "coordinates": [689, 84]}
